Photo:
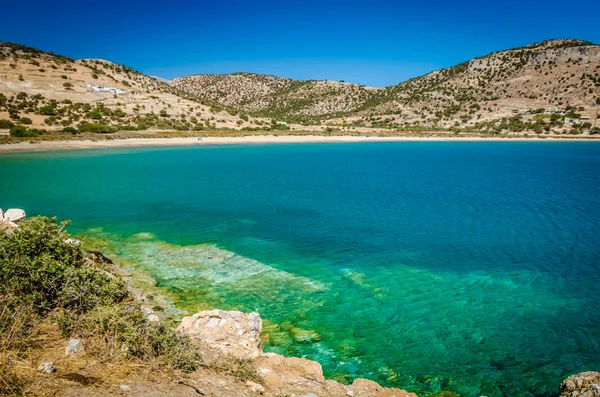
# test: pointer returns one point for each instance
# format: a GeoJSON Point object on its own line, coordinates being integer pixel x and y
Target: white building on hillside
{"type": "Point", "coordinates": [101, 88]}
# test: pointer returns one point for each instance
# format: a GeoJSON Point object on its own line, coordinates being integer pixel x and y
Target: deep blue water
{"type": "Point", "coordinates": [468, 267]}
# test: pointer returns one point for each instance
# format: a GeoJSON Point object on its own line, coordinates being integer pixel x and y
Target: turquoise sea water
{"type": "Point", "coordinates": [468, 267]}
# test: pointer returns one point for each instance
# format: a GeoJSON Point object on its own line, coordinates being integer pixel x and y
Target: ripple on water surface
{"type": "Point", "coordinates": [475, 332]}
{"type": "Point", "coordinates": [468, 267]}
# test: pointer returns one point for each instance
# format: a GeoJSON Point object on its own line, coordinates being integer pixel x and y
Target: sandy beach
{"type": "Point", "coordinates": [251, 139]}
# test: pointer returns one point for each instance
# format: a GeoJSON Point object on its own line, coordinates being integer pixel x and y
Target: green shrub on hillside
{"type": "Point", "coordinates": [94, 114]}
{"type": "Point", "coordinates": [69, 129]}
{"type": "Point", "coordinates": [5, 124]}
{"type": "Point", "coordinates": [43, 272]}
{"type": "Point", "coordinates": [49, 270]}
{"type": "Point", "coordinates": [25, 120]}
{"type": "Point", "coordinates": [23, 132]}
{"type": "Point", "coordinates": [47, 111]}
{"type": "Point", "coordinates": [96, 128]}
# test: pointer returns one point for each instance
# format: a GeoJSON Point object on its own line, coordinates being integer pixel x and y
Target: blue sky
{"type": "Point", "coordinates": [372, 42]}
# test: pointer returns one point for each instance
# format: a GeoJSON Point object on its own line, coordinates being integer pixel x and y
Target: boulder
{"type": "Point", "coordinates": [584, 384]}
{"type": "Point", "coordinates": [74, 346]}
{"type": "Point", "coordinates": [150, 315]}
{"type": "Point", "coordinates": [47, 368]}
{"type": "Point", "coordinates": [256, 388]}
{"type": "Point", "coordinates": [1, 215]}
{"type": "Point", "coordinates": [368, 388]}
{"type": "Point", "coordinates": [231, 332]}
{"type": "Point", "coordinates": [14, 214]}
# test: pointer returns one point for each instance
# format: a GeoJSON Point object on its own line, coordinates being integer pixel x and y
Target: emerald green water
{"type": "Point", "coordinates": [468, 267]}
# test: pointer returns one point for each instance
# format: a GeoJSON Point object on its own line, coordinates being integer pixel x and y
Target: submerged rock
{"type": "Point", "coordinates": [232, 332]}
{"type": "Point", "coordinates": [584, 384]}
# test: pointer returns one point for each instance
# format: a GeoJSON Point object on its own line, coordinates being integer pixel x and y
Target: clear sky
{"type": "Point", "coordinates": [371, 42]}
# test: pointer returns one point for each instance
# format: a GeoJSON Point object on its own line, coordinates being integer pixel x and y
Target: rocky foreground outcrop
{"type": "Point", "coordinates": [231, 332]}
{"type": "Point", "coordinates": [237, 334]}
{"type": "Point", "coordinates": [9, 218]}
{"type": "Point", "coordinates": [584, 384]}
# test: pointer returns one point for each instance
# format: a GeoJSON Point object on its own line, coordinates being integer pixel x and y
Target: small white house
{"type": "Point", "coordinates": [101, 88]}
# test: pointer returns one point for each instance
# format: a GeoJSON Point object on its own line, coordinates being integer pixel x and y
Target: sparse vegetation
{"type": "Point", "coordinates": [43, 277]}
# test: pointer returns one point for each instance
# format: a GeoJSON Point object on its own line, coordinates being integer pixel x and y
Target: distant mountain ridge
{"type": "Point", "coordinates": [551, 87]}
{"type": "Point", "coordinates": [482, 93]}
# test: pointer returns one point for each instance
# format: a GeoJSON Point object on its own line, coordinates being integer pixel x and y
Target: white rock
{"type": "Point", "coordinates": [47, 368]}
{"type": "Point", "coordinates": [256, 387]}
{"type": "Point", "coordinates": [350, 393]}
{"type": "Point", "coordinates": [14, 214]}
{"type": "Point", "coordinates": [213, 322]}
{"type": "Point", "coordinates": [150, 315]}
{"type": "Point", "coordinates": [125, 387]}
{"type": "Point", "coordinates": [255, 322]}
{"type": "Point", "coordinates": [233, 332]}
{"type": "Point", "coordinates": [74, 346]}
{"type": "Point", "coordinates": [1, 215]}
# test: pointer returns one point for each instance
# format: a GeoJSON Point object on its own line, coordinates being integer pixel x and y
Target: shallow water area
{"type": "Point", "coordinates": [468, 267]}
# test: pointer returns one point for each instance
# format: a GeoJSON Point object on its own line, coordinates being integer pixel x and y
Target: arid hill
{"type": "Point", "coordinates": [548, 87]}
{"type": "Point", "coordinates": [51, 92]}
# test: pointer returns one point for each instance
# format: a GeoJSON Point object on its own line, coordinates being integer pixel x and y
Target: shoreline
{"type": "Point", "coordinates": [257, 139]}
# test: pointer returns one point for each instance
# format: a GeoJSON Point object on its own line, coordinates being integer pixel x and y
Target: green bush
{"type": "Point", "coordinates": [126, 332]}
{"type": "Point", "coordinates": [96, 128]}
{"type": "Point", "coordinates": [25, 120]}
{"type": "Point", "coordinates": [69, 129]}
{"type": "Point", "coordinates": [43, 271]}
{"type": "Point", "coordinates": [47, 111]}
{"type": "Point", "coordinates": [94, 114]}
{"type": "Point", "coordinates": [6, 124]}
{"type": "Point", "coordinates": [22, 132]}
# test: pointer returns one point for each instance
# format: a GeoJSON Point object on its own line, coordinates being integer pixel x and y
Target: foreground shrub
{"type": "Point", "coordinates": [123, 331]}
{"type": "Point", "coordinates": [43, 271]}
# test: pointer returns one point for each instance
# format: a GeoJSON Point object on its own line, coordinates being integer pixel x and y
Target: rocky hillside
{"type": "Point", "coordinates": [548, 87]}
{"type": "Point", "coordinates": [45, 91]}
{"type": "Point", "coordinates": [271, 96]}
